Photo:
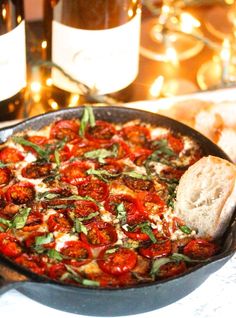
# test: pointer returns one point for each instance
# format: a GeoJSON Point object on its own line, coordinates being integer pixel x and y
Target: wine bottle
{"type": "Point", "coordinates": [12, 59]}
{"type": "Point", "coordinates": [95, 42]}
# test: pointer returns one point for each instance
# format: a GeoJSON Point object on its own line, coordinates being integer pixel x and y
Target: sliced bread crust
{"type": "Point", "coordinates": [206, 196]}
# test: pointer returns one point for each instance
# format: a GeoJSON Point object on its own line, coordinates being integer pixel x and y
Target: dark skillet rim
{"type": "Point", "coordinates": [225, 254]}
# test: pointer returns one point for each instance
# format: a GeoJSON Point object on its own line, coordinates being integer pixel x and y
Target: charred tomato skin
{"type": "Point", "coordinates": [21, 193]}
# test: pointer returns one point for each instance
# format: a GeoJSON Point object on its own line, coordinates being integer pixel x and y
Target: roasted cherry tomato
{"type": "Point", "coordinates": [83, 209]}
{"type": "Point", "coordinates": [200, 249]}
{"type": "Point", "coordinates": [10, 155]}
{"type": "Point", "coordinates": [63, 153]}
{"type": "Point", "coordinates": [31, 262]}
{"type": "Point", "coordinates": [56, 271]}
{"type": "Point", "coordinates": [9, 210]}
{"type": "Point", "coordinates": [136, 135]}
{"type": "Point", "coordinates": [176, 143]}
{"type": "Point", "coordinates": [118, 261]}
{"type": "Point", "coordinates": [171, 269]}
{"type": "Point", "coordinates": [101, 132]}
{"type": "Point", "coordinates": [134, 209]}
{"type": "Point", "coordinates": [2, 199]}
{"type": "Point", "coordinates": [108, 280]}
{"type": "Point", "coordinates": [58, 222]}
{"type": "Point", "coordinates": [65, 129]}
{"type": "Point", "coordinates": [80, 148]}
{"type": "Point", "coordinates": [96, 189]}
{"type": "Point", "coordinates": [9, 245]}
{"type": "Point", "coordinates": [171, 173]}
{"type": "Point", "coordinates": [77, 253]}
{"type": "Point", "coordinates": [5, 176]}
{"type": "Point", "coordinates": [140, 156]}
{"type": "Point", "coordinates": [36, 170]}
{"type": "Point", "coordinates": [153, 204]}
{"type": "Point", "coordinates": [137, 184]}
{"type": "Point", "coordinates": [100, 234]}
{"type": "Point", "coordinates": [137, 235]}
{"type": "Point", "coordinates": [37, 140]}
{"type": "Point", "coordinates": [21, 193]}
{"type": "Point", "coordinates": [121, 149]}
{"type": "Point", "coordinates": [160, 249]}
{"type": "Point", "coordinates": [113, 167]}
{"type": "Point", "coordinates": [74, 172]}
{"type": "Point", "coordinates": [57, 197]}
{"type": "Point", "coordinates": [33, 222]}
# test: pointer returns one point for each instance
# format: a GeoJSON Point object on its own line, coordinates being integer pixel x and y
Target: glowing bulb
{"type": "Point", "coordinates": [74, 99]}
{"type": "Point", "coordinates": [35, 87]}
{"type": "Point", "coordinates": [229, 2]}
{"type": "Point", "coordinates": [188, 23]}
{"type": "Point", "coordinates": [156, 87]}
{"type": "Point", "coordinates": [171, 56]}
{"type": "Point", "coordinates": [44, 44]}
{"type": "Point", "coordinates": [4, 13]}
{"type": "Point", "coordinates": [225, 53]}
{"type": "Point", "coordinates": [53, 104]}
{"type": "Point", "coordinates": [165, 9]}
{"type": "Point", "coordinates": [130, 13]}
{"type": "Point", "coordinates": [19, 19]}
{"type": "Point", "coordinates": [49, 81]}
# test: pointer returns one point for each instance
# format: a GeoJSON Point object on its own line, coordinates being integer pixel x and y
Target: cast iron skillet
{"type": "Point", "coordinates": [120, 301]}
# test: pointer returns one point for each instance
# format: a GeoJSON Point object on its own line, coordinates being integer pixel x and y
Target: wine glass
{"type": "Point", "coordinates": [172, 30]}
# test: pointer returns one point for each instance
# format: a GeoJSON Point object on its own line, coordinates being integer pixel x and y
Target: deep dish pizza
{"type": "Point", "coordinates": [88, 202]}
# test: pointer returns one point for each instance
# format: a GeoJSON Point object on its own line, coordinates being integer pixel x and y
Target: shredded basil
{"type": "Point", "coordinates": [79, 227]}
{"type": "Point", "coordinates": [145, 228]}
{"type": "Point", "coordinates": [5, 222]}
{"type": "Point", "coordinates": [3, 165]}
{"type": "Point", "coordinates": [136, 175]}
{"type": "Point", "coordinates": [44, 239]}
{"type": "Point", "coordinates": [89, 217]}
{"type": "Point", "coordinates": [54, 254]}
{"type": "Point", "coordinates": [72, 274]}
{"type": "Point", "coordinates": [100, 154]}
{"type": "Point", "coordinates": [121, 213]}
{"type": "Point", "coordinates": [47, 195]}
{"type": "Point", "coordinates": [57, 158]}
{"type": "Point", "coordinates": [185, 229]}
{"type": "Point", "coordinates": [22, 141]}
{"type": "Point", "coordinates": [20, 218]}
{"type": "Point", "coordinates": [101, 174]}
{"type": "Point", "coordinates": [87, 118]}
{"type": "Point", "coordinates": [181, 257]}
{"type": "Point", "coordinates": [157, 263]}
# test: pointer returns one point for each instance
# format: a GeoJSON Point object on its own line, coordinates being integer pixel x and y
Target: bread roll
{"type": "Point", "coordinates": [206, 196]}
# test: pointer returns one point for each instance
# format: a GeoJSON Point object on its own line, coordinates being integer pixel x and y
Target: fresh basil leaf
{"type": "Point", "coordinates": [185, 229]}
{"type": "Point", "coordinates": [112, 250]}
{"type": "Point", "coordinates": [75, 276]}
{"type": "Point", "coordinates": [146, 229]}
{"type": "Point", "coordinates": [101, 173]}
{"type": "Point", "coordinates": [20, 218]}
{"type": "Point", "coordinates": [99, 154]}
{"type": "Point", "coordinates": [60, 206]}
{"type": "Point", "coordinates": [44, 239]}
{"type": "Point", "coordinates": [85, 198]}
{"type": "Point", "coordinates": [79, 227]}
{"type": "Point", "coordinates": [54, 255]}
{"type": "Point", "coordinates": [88, 117]}
{"type": "Point", "coordinates": [136, 175]}
{"type": "Point", "coordinates": [57, 158]}
{"type": "Point", "coordinates": [121, 213]}
{"type": "Point", "coordinates": [89, 217]}
{"type": "Point", "coordinates": [181, 257]}
{"type": "Point", "coordinates": [47, 195]}
{"type": "Point", "coordinates": [2, 229]}
{"type": "Point", "coordinates": [5, 222]}
{"type": "Point", "coordinates": [157, 263]}
{"type": "Point", "coordinates": [3, 165]}
{"type": "Point", "coordinates": [22, 141]}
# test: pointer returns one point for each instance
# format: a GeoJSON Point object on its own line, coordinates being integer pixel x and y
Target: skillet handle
{"type": "Point", "coordinates": [10, 279]}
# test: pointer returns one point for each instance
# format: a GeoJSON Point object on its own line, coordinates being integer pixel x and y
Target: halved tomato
{"type": "Point", "coordinates": [137, 184]}
{"type": "Point", "coordinates": [59, 222]}
{"type": "Point", "coordinates": [153, 204]}
{"type": "Point", "coordinates": [76, 253]}
{"type": "Point", "coordinates": [36, 170]}
{"type": "Point", "coordinates": [117, 261]}
{"type": "Point", "coordinates": [101, 132]}
{"type": "Point", "coordinates": [37, 140]}
{"type": "Point", "coordinates": [171, 269]}
{"type": "Point", "coordinates": [10, 155]}
{"type": "Point", "coordinates": [74, 172]}
{"type": "Point", "coordinates": [96, 189]}
{"type": "Point", "coordinates": [21, 193]}
{"type": "Point", "coordinates": [160, 249]}
{"type": "Point", "coordinates": [65, 129]}
{"type": "Point", "coordinates": [31, 262]}
{"type": "Point", "coordinates": [80, 148]}
{"type": "Point", "coordinates": [5, 176]}
{"type": "Point", "coordinates": [83, 209]}
{"type": "Point", "coordinates": [9, 245]}
{"type": "Point", "coordinates": [136, 135]}
{"type": "Point", "coordinates": [200, 249]}
{"type": "Point", "coordinates": [100, 234]}
{"type": "Point", "coordinates": [133, 207]}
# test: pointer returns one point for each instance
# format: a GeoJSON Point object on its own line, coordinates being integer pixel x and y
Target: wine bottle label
{"type": "Point", "coordinates": [12, 62]}
{"type": "Point", "coordinates": [104, 60]}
